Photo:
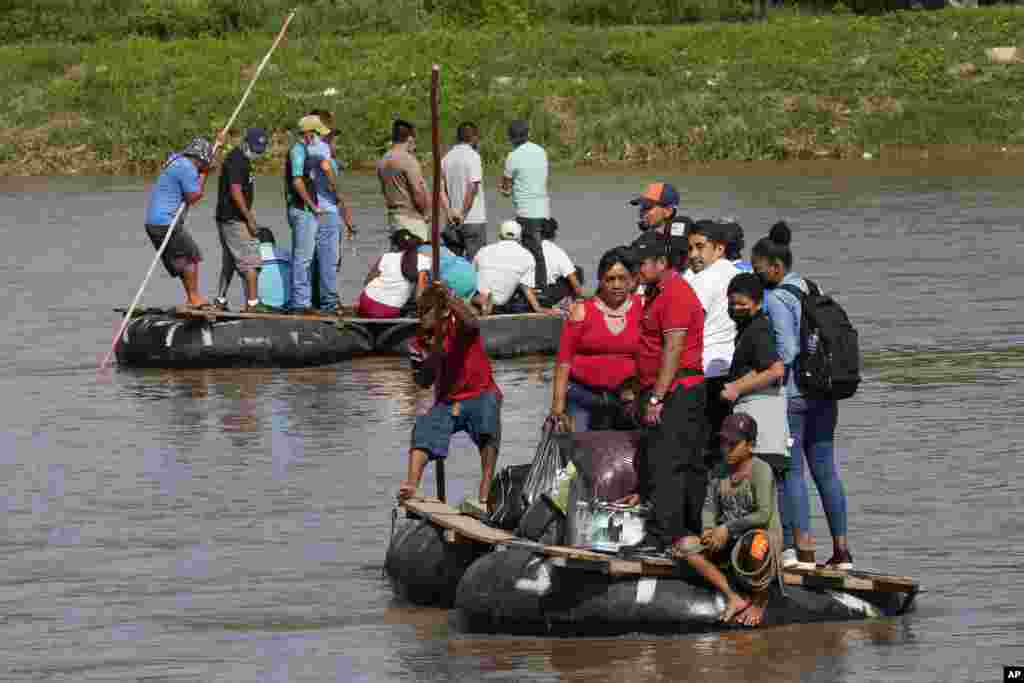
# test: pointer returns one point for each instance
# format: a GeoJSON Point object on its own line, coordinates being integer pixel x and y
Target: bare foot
{"type": "Point", "coordinates": [631, 499]}
{"type": "Point", "coordinates": [755, 613]}
{"type": "Point", "coordinates": [406, 490]}
{"type": "Point", "coordinates": [733, 608]}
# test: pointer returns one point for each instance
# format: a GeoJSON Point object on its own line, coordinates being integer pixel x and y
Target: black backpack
{"type": "Point", "coordinates": [828, 363]}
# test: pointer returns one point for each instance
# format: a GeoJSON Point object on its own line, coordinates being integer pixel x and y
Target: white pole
{"type": "Point", "coordinates": [181, 209]}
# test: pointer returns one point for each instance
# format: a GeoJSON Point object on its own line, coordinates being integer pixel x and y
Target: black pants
{"type": "Point", "coordinates": [531, 240]}
{"type": "Point", "coordinates": [717, 410]}
{"type": "Point", "coordinates": [672, 470]}
{"type": "Point", "coordinates": [552, 294]}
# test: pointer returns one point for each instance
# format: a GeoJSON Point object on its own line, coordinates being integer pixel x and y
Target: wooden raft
{"type": "Point", "coordinates": [213, 314]}
{"type": "Point", "coordinates": [462, 528]}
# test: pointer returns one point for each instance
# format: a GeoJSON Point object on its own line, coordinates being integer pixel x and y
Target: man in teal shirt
{"type": "Point", "coordinates": [303, 211]}
{"type": "Point", "coordinates": [526, 181]}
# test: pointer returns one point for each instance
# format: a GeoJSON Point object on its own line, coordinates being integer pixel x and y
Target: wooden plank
{"type": "Point", "coordinates": [210, 314]}
{"type": "Point", "coordinates": [836, 582]}
{"type": "Point", "coordinates": [449, 518]}
{"type": "Point", "coordinates": [879, 582]}
{"type": "Point", "coordinates": [464, 528]}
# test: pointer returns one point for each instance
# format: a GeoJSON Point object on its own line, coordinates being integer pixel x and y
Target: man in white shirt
{"type": "Point", "coordinates": [506, 272]}
{"type": "Point", "coordinates": [462, 175]}
{"type": "Point", "coordinates": [709, 274]}
{"type": "Point", "coordinates": [526, 181]}
{"type": "Point", "coordinates": [564, 277]}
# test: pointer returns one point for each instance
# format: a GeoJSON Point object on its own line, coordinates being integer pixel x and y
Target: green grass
{"type": "Point", "coordinates": [945, 367]}
{"type": "Point", "coordinates": [797, 86]}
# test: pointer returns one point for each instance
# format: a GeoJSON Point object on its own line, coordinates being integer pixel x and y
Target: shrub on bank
{"type": "Point", "coordinates": [87, 20]}
{"type": "Point", "coordinates": [792, 87]}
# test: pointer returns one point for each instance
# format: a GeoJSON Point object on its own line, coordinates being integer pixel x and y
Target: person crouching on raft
{"type": "Point", "coordinates": [181, 181]}
{"type": "Point", "coordinates": [448, 353]}
{"type": "Point", "coordinates": [740, 497]}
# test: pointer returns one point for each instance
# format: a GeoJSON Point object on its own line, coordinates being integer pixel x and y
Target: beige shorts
{"type": "Point", "coordinates": [240, 248]}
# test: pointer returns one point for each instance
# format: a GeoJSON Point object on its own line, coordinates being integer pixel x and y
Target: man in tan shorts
{"type": "Point", "coordinates": [402, 183]}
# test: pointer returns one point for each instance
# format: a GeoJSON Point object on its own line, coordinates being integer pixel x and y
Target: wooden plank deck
{"type": "Point", "coordinates": [461, 528]}
{"type": "Point", "coordinates": [212, 315]}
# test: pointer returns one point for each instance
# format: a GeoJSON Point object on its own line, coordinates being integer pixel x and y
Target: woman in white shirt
{"type": "Point", "coordinates": [394, 278]}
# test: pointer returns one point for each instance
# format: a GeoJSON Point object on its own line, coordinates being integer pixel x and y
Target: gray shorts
{"type": "Point", "coordinates": [182, 253]}
{"type": "Point", "coordinates": [241, 250]}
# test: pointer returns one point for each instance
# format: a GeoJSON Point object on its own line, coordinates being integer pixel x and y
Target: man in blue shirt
{"type": "Point", "coordinates": [181, 181]}
{"type": "Point", "coordinates": [526, 181]}
{"type": "Point", "coordinates": [321, 158]}
{"type": "Point", "coordinates": [303, 211]}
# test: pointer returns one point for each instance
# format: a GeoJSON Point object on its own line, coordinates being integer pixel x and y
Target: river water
{"type": "Point", "coordinates": [230, 525]}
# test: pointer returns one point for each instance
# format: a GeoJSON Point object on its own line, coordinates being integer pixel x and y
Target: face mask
{"type": "Point", "coordinates": [740, 317]}
{"type": "Point", "coordinates": [763, 277]}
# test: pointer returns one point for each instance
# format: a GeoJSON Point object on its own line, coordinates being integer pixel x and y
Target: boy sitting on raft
{"type": "Point", "coordinates": [741, 496]}
{"type": "Point", "coordinates": [448, 353]}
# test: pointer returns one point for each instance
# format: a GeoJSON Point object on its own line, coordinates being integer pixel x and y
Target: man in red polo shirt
{"type": "Point", "coordinates": [448, 353]}
{"type": "Point", "coordinates": [670, 368]}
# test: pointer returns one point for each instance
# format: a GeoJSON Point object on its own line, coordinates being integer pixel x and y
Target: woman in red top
{"type": "Point", "coordinates": [597, 351]}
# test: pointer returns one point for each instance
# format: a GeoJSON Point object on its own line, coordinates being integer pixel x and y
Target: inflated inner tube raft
{"type": "Point", "coordinates": [168, 341]}
{"type": "Point", "coordinates": [519, 591]}
{"type": "Point", "coordinates": [501, 583]}
{"type": "Point", "coordinates": [505, 335]}
{"type": "Point", "coordinates": [187, 337]}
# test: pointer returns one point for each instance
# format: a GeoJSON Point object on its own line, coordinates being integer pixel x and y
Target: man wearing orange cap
{"type": "Point", "coordinates": [657, 210]}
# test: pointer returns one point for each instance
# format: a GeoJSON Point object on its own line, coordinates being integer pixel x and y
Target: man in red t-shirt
{"type": "Point", "coordinates": [670, 369]}
{"type": "Point", "coordinates": [448, 353]}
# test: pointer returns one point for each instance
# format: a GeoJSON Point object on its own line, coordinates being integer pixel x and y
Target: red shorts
{"type": "Point", "coordinates": [368, 308]}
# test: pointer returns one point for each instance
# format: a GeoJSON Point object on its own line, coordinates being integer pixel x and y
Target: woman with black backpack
{"type": "Point", "coordinates": [812, 415]}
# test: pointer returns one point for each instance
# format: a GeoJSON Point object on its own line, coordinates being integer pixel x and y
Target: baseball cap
{"type": "Point", "coordinates": [314, 124]}
{"type": "Point", "coordinates": [739, 427]}
{"type": "Point", "coordinates": [257, 140]}
{"type": "Point", "coordinates": [201, 149]}
{"type": "Point", "coordinates": [510, 230]}
{"type": "Point", "coordinates": [650, 244]}
{"type": "Point", "coordinates": [657, 194]}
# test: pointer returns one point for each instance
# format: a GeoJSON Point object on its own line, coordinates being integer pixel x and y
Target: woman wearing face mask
{"type": "Point", "coordinates": [755, 382]}
{"type": "Point", "coordinates": [812, 421]}
{"type": "Point", "coordinates": [597, 351]}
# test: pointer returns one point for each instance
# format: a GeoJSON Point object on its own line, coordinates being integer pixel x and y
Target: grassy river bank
{"type": "Point", "coordinates": [796, 87]}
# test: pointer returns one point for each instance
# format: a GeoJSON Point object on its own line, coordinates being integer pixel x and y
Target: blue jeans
{"type": "Point", "coordinates": [587, 405]}
{"type": "Point", "coordinates": [480, 417]}
{"type": "Point", "coordinates": [328, 235]}
{"type": "Point", "coordinates": [304, 233]}
{"type": "Point", "coordinates": [812, 426]}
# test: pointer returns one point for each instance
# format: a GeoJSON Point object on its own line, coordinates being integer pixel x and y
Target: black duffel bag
{"type": "Point", "coordinates": [507, 495]}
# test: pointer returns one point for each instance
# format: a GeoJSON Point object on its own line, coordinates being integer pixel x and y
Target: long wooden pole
{"type": "Point", "coordinates": [435, 230]}
{"type": "Point", "coordinates": [181, 209]}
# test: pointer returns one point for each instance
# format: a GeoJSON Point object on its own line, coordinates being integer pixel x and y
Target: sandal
{"type": "Point", "coordinates": [731, 619]}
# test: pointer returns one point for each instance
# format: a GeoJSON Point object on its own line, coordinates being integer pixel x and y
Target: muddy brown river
{"type": "Point", "coordinates": [230, 525]}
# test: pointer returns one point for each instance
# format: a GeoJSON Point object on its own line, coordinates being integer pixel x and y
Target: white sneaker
{"type": "Point", "coordinates": [789, 558]}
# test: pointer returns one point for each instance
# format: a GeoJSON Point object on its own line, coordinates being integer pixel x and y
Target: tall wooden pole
{"type": "Point", "coordinates": [181, 209]}
{"type": "Point", "coordinates": [435, 229]}
{"type": "Point", "coordinates": [435, 125]}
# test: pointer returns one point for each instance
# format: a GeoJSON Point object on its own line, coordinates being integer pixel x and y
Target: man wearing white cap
{"type": "Point", "coordinates": [506, 274]}
{"type": "Point", "coordinates": [300, 197]}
